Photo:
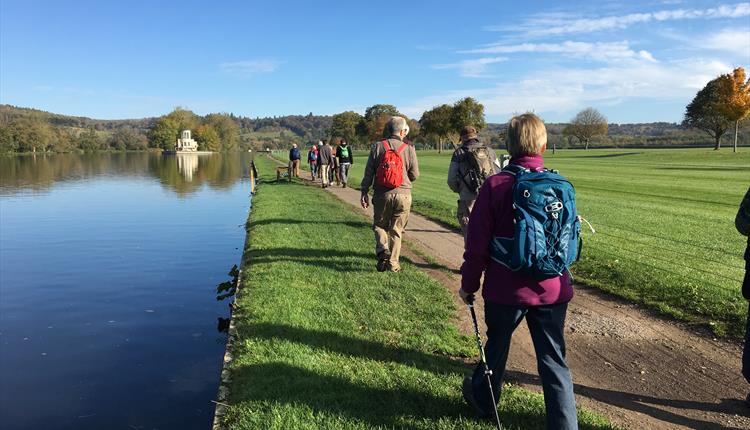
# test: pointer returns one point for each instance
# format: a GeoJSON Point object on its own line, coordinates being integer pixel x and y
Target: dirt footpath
{"type": "Point", "coordinates": [641, 370]}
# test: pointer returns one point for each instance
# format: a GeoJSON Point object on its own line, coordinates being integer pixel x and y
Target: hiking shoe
{"type": "Point", "coordinates": [383, 262]}
{"type": "Point", "coordinates": [393, 268]}
{"type": "Point", "coordinates": [468, 393]}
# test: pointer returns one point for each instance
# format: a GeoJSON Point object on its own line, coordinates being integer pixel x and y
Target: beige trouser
{"type": "Point", "coordinates": [389, 222]}
{"type": "Point", "coordinates": [294, 168]}
{"type": "Point", "coordinates": [324, 173]}
{"type": "Point", "coordinates": [463, 212]}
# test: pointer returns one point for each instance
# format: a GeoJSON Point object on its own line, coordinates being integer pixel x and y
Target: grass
{"type": "Point", "coordinates": [326, 342]}
{"type": "Point", "coordinates": [664, 220]}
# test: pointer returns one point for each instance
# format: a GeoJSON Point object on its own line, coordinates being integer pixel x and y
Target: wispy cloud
{"type": "Point", "coordinates": [475, 68]}
{"type": "Point", "coordinates": [561, 24]}
{"type": "Point", "coordinates": [563, 91]}
{"type": "Point", "coordinates": [248, 68]}
{"type": "Point", "coordinates": [601, 51]}
{"type": "Point", "coordinates": [736, 41]}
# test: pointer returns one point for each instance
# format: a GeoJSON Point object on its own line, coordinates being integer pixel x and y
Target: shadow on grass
{"type": "Point", "coordinates": [649, 405]}
{"type": "Point", "coordinates": [340, 261]}
{"type": "Point", "coordinates": [384, 407]}
{"type": "Point", "coordinates": [623, 154]}
{"type": "Point", "coordinates": [290, 221]}
{"type": "Point", "coordinates": [356, 348]}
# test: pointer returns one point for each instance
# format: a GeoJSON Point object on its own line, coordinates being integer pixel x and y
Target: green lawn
{"type": "Point", "coordinates": [326, 342]}
{"type": "Point", "coordinates": [664, 220]}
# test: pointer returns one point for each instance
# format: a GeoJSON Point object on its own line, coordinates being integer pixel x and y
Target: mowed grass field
{"type": "Point", "coordinates": [326, 342]}
{"type": "Point", "coordinates": [664, 221]}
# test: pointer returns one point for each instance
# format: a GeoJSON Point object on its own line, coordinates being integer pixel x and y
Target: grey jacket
{"type": "Point", "coordinates": [411, 167]}
{"type": "Point", "coordinates": [460, 166]}
{"type": "Point", "coordinates": [325, 155]}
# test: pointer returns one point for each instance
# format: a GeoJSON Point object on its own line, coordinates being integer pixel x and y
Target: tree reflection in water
{"type": "Point", "coordinates": [184, 173]}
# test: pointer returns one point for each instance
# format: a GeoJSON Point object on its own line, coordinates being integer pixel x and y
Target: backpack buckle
{"type": "Point", "coordinates": [553, 208]}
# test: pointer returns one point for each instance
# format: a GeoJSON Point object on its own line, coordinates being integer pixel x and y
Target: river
{"type": "Point", "coordinates": [109, 265]}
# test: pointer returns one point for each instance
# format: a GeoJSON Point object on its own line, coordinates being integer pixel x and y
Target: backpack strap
{"type": "Point", "coordinates": [402, 147]}
{"type": "Point", "coordinates": [514, 169]}
{"type": "Point", "coordinates": [386, 145]}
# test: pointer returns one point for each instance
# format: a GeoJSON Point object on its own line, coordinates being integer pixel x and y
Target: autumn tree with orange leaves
{"type": "Point", "coordinates": [734, 90]}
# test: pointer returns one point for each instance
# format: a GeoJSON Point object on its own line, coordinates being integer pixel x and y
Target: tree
{"type": "Point", "coordinates": [208, 138]}
{"type": "Point", "coordinates": [588, 124]}
{"type": "Point", "coordinates": [704, 112]}
{"type": "Point", "coordinates": [438, 122]}
{"type": "Point", "coordinates": [89, 140]}
{"type": "Point", "coordinates": [127, 139]}
{"type": "Point", "coordinates": [32, 133]}
{"type": "Point", "coordinates": [184, 119]}
{"type": "Point", "coordinates": [376, 116]}
{"type": "Point", "coordinates": [227, 129]}
{"type": "Point", "coordinates": [467, 111]}
{"type": "Point", "coordinates": [735, 98]}
{"type": "Point", "coordinates": [344, 125]}
{"type": "Point", "coordinates": [164, 134]}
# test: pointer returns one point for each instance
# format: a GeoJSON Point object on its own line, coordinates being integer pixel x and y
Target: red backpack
{"type": "Point", "coordinates": [390, 173]}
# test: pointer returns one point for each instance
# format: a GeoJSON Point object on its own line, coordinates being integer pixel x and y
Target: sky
{"type": "Point", "coordinates": [635, 61]}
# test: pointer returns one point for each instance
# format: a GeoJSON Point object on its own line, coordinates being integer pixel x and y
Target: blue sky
{"type": "Point", "coordinates": [636, 61]}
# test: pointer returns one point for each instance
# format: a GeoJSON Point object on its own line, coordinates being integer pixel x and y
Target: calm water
{"type": "Point", "coordinates": [108, 271]}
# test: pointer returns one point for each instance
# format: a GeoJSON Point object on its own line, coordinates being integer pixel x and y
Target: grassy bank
{"type": "Point", "coordinates": [325, 341]}
{"type": "Point", "coordinates": [664, 220]}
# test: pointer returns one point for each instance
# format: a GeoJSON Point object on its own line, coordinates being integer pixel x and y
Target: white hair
{"type": "Point", "coordinates": [396, 124]}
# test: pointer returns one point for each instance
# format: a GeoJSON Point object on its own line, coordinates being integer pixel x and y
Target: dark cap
{"type": "Point", "coordinates": [468, 133]}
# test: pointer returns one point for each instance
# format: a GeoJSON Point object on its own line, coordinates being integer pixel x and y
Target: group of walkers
{"type": "Point", "coordinates": [500, 211]}
{"type": "Point", "coordinates": [329, 164]}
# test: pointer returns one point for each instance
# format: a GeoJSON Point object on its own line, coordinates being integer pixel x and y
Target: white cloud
{"type": "Point", "coordinates": [566, 90]}
{"type": "Point", "coordinates": [560, 24]}
{"type": "Point", "coordinates": [736, 41]}
{"type": "Point", "coordinates": [248, 68]}
{"type": "Point", "coordinates": [475, 68]}
{"type": "Point", "coordinates": [600, 51]}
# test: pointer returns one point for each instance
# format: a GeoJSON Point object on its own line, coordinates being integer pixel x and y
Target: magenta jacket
{"type": "Point", "coordinates": [493, 216]}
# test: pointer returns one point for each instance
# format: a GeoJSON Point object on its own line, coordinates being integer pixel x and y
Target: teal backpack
{"type": "Point", "coordinates": [547, 238]}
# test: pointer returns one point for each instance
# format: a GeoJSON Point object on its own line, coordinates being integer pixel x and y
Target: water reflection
{"type": "Point", "coordinates": [181, 173]}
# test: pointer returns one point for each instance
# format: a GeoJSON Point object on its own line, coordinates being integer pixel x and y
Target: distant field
{"type": "Point", "coordinates": [664, 220]}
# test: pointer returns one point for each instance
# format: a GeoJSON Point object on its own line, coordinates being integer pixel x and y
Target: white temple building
{"type": "Point", "coordinates": [186, 143]}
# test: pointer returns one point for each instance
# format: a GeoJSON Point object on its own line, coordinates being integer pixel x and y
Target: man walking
{"type": "Point", "coordinates": [294, 157]}
{"type": "Point", "coordinates": [391, 168]}
{"type": "Point", "coordinates": [471, 164]}
{"type": "Point", "coordinates": [325, 160]}
{"type": "Point", "coordinates": [344, 155]}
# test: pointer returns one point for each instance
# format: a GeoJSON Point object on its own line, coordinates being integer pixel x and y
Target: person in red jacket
{"type": "Point", "coordinates": [510, 296]}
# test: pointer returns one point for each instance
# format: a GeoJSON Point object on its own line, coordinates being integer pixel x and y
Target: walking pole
{"type": "Point", "coordinates": [487, 370]}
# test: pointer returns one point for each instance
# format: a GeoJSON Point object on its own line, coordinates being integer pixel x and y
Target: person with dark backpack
{"type": "Point", "coordinates": [345, 159]}
{"type": "Point", "coordinates": [312, 160]}
{"type": "Point", "coordinates": [472, 163]}
{"type": "Point", "coordinates": [522, 236]}
{"type": "Point", "coordinates": [391, 168]}
{"type": "Point", "coordinates": [294, 157]}
{"type": "Point", "coordinates": [742, 222]}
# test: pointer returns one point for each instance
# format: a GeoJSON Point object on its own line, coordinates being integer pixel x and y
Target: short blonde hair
{"type": "Point", "coordinates": [526, 135]}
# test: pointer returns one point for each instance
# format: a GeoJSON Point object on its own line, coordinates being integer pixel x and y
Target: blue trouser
{"type": "Point", "coordinates": [546, 324]}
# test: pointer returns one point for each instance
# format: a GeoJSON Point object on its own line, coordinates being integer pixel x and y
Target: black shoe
{"type": "Point", "coordinates": [468, 393]}
{"type": "Point", "coordinates": [383, 262]}
{"type": "Point", "coordinates": [747, 400]}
